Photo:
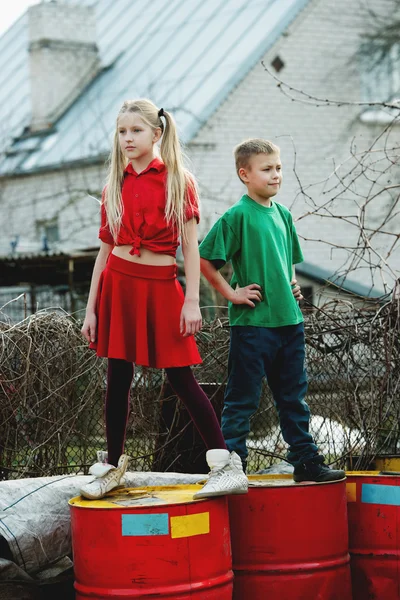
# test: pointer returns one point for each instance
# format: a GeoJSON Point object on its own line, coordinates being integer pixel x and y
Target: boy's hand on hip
{"type": "Point", "coordinates": [296, 290]}
{"type": "Point", "coordinates": [191, 320]}
{"type": "Point", "coordinates": [247, 295]}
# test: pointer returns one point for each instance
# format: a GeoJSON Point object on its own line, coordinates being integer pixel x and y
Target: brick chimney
{"type": "Point", "coordinates": [63, 57]}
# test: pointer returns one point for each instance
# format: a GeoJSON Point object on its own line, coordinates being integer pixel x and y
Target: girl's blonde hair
{"type": "Point", "coordinates": [179, 180]}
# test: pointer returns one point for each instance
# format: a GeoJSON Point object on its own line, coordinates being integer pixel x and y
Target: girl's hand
{"type": "Point", "coordinates": [247, 295]}
{"type": "Point", "coordinates": [89, 327]}
{"type": "Point", "coordinates": [296, 290]}
{"type": "Point", "coordinates": [191, 320]}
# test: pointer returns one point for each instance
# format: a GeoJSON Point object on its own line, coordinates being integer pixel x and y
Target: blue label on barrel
{"type": "Point", "coordinates": [147, 524]}
{"type": "Point", "coordinates": [380, 494]}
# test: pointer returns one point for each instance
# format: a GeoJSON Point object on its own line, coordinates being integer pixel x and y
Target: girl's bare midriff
{"type": "Point", "coordinates": [147, 257]}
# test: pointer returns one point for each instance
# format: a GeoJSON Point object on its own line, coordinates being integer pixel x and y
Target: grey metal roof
{"type": "Point", "coordinates": [186, 55]}
{"type": "Point", "coordinates": [322, 275]}
{"type": "Point", "coordinates": [15, 102]}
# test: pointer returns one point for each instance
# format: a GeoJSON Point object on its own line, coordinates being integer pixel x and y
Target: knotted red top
{"type": "Point", "coordinates": [143, 219]}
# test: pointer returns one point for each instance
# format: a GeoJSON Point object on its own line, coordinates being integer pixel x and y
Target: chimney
{"type": "Point", "coordinates": [63, 57]}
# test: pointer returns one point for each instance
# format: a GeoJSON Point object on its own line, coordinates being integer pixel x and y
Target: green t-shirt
{"type": "Point", "coordinates": [262, 244]}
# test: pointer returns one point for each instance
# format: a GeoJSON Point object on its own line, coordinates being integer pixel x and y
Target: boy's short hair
{"type": "Point", "coordinates": [244, 151]}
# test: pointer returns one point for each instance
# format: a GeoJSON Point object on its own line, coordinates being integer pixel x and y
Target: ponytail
{"type": "Point", "coordinates": [181, 185]}
{"type": "Point", "coordinates": [113, 197]}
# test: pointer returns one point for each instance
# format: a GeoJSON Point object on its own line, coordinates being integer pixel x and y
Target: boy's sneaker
{"type": "Point", "coordinates": [107, 476]}
{"type": "Point", "coordinates": [226, 475]}
{"type": "Point", "coordinates": [315, 470]}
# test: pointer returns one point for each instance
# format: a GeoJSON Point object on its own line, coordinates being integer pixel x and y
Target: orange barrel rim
{"type": "Point", "coordinates": [152, 542]}
{"type": "Point", "coordinates": [290, 540]}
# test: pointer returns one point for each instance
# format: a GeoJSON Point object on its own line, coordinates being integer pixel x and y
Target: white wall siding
{"type": "Point", "coordinates": [319, 52]}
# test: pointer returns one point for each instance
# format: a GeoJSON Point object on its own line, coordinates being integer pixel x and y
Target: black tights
{"type": "Point", "coordinates": [119, 380]}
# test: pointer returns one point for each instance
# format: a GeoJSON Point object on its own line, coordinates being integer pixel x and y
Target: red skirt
{"type": "Point", "coordinates": [138, 316]}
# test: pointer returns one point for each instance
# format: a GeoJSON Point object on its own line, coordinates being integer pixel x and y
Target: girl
{"type": "Point", "coordinates": [137, 312]}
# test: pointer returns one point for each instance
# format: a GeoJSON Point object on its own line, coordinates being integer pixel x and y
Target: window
{"type": "Point", "coordinates": [48, 232]}
{"type": "Point", "coordinates": [278, 64]}
{"type": "Point", "coordinates": [380, 79]}
{"type": "Point", "coordinates": [380, 71]}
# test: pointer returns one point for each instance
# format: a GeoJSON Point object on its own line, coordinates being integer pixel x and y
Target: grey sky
{"type": "Point", "coordinates": [10, 11]}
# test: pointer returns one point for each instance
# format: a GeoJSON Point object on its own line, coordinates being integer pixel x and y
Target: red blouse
{"type": "Point", "coordinates": [143, 219]}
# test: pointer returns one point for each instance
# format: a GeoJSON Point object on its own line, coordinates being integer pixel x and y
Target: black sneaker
{"type": "Point", "coordinates": [315, 470]}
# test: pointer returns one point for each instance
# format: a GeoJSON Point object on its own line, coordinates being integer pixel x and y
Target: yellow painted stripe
{"type": "Point", "coordinates": [189, 525]}
{"type": "Point", "coordinates": [351, 492]}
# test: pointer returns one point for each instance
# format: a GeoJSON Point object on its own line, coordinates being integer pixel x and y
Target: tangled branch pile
{"type": "Point", "coordinates": [52, 389]}
{"type": "Point", "coordinates": [49, 385]}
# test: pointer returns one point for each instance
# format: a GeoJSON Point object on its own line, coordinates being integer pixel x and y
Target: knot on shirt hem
{"type": "Point", "coordinates": [135, 250]}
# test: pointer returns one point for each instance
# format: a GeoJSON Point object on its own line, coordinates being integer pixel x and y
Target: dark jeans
{"type": "Point", "coordinates": [278, 353]}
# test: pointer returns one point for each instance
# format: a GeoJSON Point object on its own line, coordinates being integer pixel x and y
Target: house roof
{"type": "Point", "coordinates": [186, 55]}
{"type": "Point", "coordinates": [342, 282]}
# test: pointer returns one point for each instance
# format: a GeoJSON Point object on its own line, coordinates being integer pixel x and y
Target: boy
{"type": "Point", "coordinates": [267, 332]}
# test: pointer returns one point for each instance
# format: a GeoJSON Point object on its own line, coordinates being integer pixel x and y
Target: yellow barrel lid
{"type": "Point", "coordinates": [284, 480]}
{"type": "Point", "coordinates": [369, 474]}
{"type": "Point", "coordinates": [141, 497]}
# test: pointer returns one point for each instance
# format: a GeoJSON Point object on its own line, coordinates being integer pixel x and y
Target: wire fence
{"type": "Point", "coordinates": [52, 389]}
{"type": "Point", "coordinates": [18, 302]}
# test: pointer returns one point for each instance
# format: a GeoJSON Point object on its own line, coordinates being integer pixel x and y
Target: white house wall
{"type": "Point", "coordinates": [60, 195]}
{"type": "Point", "coordinates": [318, 50]}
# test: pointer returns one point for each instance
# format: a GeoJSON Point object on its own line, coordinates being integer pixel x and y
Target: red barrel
{"type": "Point", "coordinates": [153, 542]}
{"type": "Point", "coordinates": [290, 540]}
{"type": "Point", "coordinates": [374, 534]}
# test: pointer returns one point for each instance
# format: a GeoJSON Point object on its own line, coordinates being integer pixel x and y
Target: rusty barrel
{"type": "Point", "coordinates": [374, 534]}
{"type": "Point", "coordinates": [155, 542]}
{"type": "Point", "coordinates": [290, 540]}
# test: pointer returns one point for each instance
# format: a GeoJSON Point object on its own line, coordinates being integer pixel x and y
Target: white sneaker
{"type": "Point", "coordinates": [107, 476]}
{"type": "Point", "coordinates": [226, 475]}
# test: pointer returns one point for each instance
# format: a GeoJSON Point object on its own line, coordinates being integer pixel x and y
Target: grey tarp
{"type": "Point", "coordinates": [35, 517]}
